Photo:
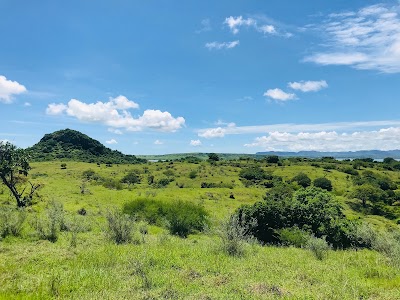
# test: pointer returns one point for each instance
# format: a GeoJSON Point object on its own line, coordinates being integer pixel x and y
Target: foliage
{"type": "Point", "coordinates": [272, 159]}
{"type": "Point", "coordinates": [131, 178]}
{"type": "Point", "coordinates": [312, 210]}
{"type": "Point", "coordinates": [192, 174]}
{"type": "Point", "coordinates": [253, 175]}
{"type": "Point", "coordinates": [323, 183]}
{"type": "Point", "coordinates": [293, 236]}
{"type": "Point", "coordinates": [48, 226]}
{"type": "Point", "coordinates": [302, 180]}
{"type": "Point", "coordinates": [318, 246]}
{"type": "Point", "coordinates": [11, 222]}
{"type": "Point", "coordinates": [181, 218]}
{"type": "Point", "coordinates": [119, 227]}
{"type": "Point", "coordinates": [234, 233]}
{"type": "Point", "coordinates": [213, 157]}
{"type": "Point", "coordinates": [14, 167]}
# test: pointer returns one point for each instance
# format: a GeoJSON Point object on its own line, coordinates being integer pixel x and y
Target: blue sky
{"type": "Point", "coordinates": [156, 77]}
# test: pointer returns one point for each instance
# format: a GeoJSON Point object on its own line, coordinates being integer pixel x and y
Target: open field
{"type": "Point", "coordinates": [158, 265]}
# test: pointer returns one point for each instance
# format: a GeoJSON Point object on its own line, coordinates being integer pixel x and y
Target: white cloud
{"type": "Point", "coordinates": [383, 139]}
{"type": "Point", "coordinates": [116, 131]}
{"type": "Point", "coordinates": [195, 143]}
{"type": "Point", "coordinates": [367, 39]}
{"type": "Point", "coordinates": [308, 86]}
{"type": "Point", "coordinates": [116, 115]}
{"type": "Point", "coordinates": [224, 45]}
{"type": "Point", "coordinates": [121, 102]}
{"type": "Point", "coordinates": [279, 95]}
{"type": "Point", "coordinates": [213, 133]}
{"type": "Point", "coordinates": [158, 142]}
{"type": "Point", "coordinates": [56, 109]}
{"type": "Point", "coordinates": [27, 104]}
{"type": "Point", "coordinates": [111, 142]}
{"type": "Point", "coordinates": [9, 88]}
{"type": "Point", "coordinates": [295, 128]}
{"type": "Point", "coordinates": [235, 22]}
{"type": "Point", "coordinates": [267, 29]}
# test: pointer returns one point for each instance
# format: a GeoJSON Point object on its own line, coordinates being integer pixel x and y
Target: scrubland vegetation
{"type": "Point", "coordinates": [203, 229]}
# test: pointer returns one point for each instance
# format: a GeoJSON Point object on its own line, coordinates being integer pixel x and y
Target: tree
{"type": "Point", "coordinates": [302, 180]}
{"type": "Point", "coordinates": [367, 192]}
{"type": "Point", "coordinates": [14, 168]}
{"type": "Point", "coordinates": [323, 183]}
{"type": "Point", "coordinates": [131, 178]}
{"type": "Point", "coordinates": [213, 157]}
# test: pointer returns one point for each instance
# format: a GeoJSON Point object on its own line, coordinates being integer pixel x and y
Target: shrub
{"type": "Point", "coordinates": [49, 226]}
{"type": "Point", "coordinates": [318, 246]}
{"type": "Point", "coordinates": [254, 173]}
{"type": "Point", "coordinates": [11, 222]}
{"type": "Point", "coordinates": [119, 227]}
{"type": "Point", "coordinates": [192, 174]}
{"type": "Point", "coordinates": [311, 209]}
{"type": "Point", "coordinates": [323, 183]}
{"type": "Point", "coordinates": [234, 233]}
{"type": "Point", "coordinates": [293, 236]}
{"type": "Point", "coordinates": [302, 180]}
{"type": "Point", "coordinates": [131, 178]}
{"type": "Point", "coordinates": [181, 218]}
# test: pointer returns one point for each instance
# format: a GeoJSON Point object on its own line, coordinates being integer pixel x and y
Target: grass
{"type": "Point", "coordinates": [163, 266]}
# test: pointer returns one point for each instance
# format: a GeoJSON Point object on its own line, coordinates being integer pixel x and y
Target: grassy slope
{"type": "Point", "coordinates": [166, 267]}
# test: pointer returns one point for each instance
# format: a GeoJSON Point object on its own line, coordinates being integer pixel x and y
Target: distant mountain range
{"type": "Point", "coordinates": [70, 144]}
{"type": "Point", "coordinates": [375, 154]}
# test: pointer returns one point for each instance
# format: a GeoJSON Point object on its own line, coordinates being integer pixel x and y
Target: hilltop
{"type": "Point", "coordinates": [70, 144]}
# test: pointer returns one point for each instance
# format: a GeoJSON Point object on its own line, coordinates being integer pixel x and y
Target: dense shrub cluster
{"type": "Point", "coordinates": [181, 218]}
{"type": "Point", "coordinates": [311, 210]}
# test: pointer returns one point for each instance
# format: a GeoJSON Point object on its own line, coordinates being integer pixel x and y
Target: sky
{"type": "Point", "coordinates": [158, 77]}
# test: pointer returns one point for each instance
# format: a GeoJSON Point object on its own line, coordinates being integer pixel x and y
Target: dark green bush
{"type": "Point", "coordinates": [323, 183]}
{"type": "Point", "coordinates": [181, 218]}
{"type": "Point", "coordinates": [302, 180]}
{"type": "Point", "coordinates": [312, 210]}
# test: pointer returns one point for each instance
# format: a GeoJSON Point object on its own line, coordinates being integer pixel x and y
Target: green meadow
{"type": "Point", "coordinates": [83, 262]}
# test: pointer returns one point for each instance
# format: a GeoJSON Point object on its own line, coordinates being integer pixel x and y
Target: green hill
{"type": "Point", "coordinates": [70, 144]}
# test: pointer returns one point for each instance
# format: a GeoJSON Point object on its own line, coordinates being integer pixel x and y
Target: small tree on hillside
{"type": "Point", "coordinates": [302, 180]}
{"type": "Point", "coordinates": [323, 183]}
{"type": "Point", "coordinates": [14, 168]}
{"type": "Point", "coordinates": [213, 157]}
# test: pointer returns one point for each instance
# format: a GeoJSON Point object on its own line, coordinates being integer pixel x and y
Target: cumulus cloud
{"type": "Point", "coordinates": [9, 88]}
{"type": "Point", "coordinates": [56, 109]}
{"type": "Point", "coordinates": [224, 45]}
{"type": "Point", "coordinates": [279, 95]}
{"type": "Point", "coordinates": [115, 113]}
{"type": "Point", "coordinates": [212, 133]}
{"type": "Point", "coordinates": [367, 39]}
{"type": "Point", "coordinates": [382, 139]}
{"type": "Point", "coordinates": [308, 86]}
{"type": "Point", "coordinates": [111, 142]}
{"type": "Point", "coordinates": [27, 104]}
{"type": "Point", "coordinates": [158, 142]}
{"type": "Point", "coordinates": [195, 143]}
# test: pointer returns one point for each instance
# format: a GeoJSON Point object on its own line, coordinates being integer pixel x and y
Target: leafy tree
{"type": "Point", "coordinates": [131, 178]}
{"type": "Point", "coordinates": [367, 192]}
{"type": "Point", "coordinates": [323, 183]}
{"type": "Point", "coordinates": [272, 159]}
{"type": "Point", "coordinates": [213, 157]}
{"type": "Point", "coordinates": [302, 179]}
{"type": "Point", "coordinates": [254, 173]}
{"type": "Point", "coordinates": [14, 168]}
